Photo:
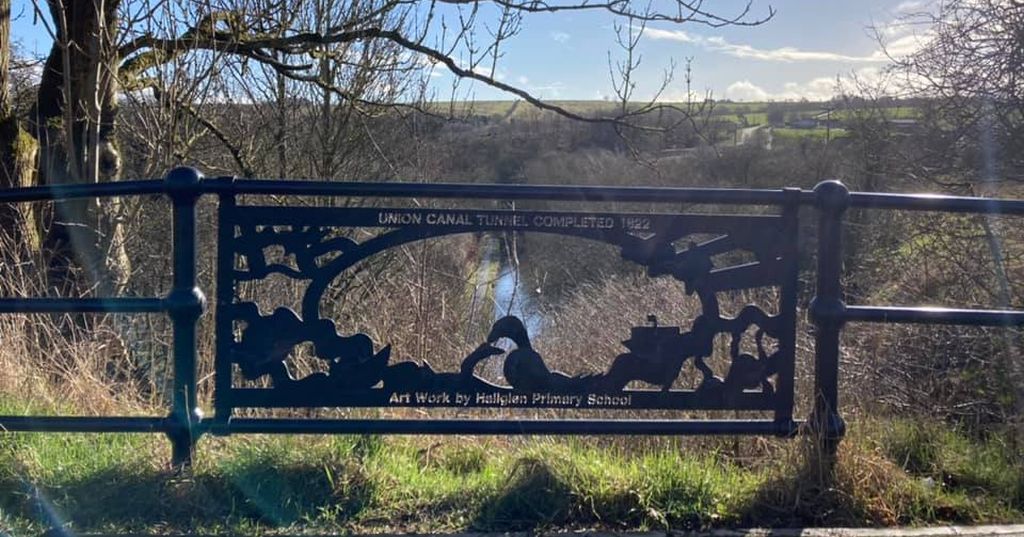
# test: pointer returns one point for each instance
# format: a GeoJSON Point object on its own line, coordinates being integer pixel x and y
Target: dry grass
{"type": "Point", "coordinates": [80, 363]}
{"type": "Point", "coordinates": [420, 301]}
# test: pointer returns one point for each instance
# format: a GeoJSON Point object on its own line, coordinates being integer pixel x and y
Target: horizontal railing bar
{"type": "Point", "coordinates": [511, 427]}
{"type": "Point", "coordinates": [936, 202]}
{"type": "Point", "coordinates": [89, 424]}
{"type": "Point", "coordinates": [85, 424]}
{"type": "Point", "coordinates": [915, 202]}
{"type": "Point", "coordinates": [82, 190]}
{"type": "Point", "coordinates": [734, 196]}
{"type": "Point", "coordinates": [928, 315]}
{"type": "Point", "coordinates": [82, 305]}
{"type": "Point", "coordinates": [503, 192]}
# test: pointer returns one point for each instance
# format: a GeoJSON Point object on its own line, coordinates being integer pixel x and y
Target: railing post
{"type": "Point", "coordinates": [223, 325]}
{"type": "Point", "coordinates": [787, 311]}
{"type": "Point", "coordinates": [831, 198]}
{"type": "Point", "coordinates": [185, 304]}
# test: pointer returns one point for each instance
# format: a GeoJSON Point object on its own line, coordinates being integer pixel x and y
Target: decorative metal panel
{"type": "Point", "coordinates": [361, 372]}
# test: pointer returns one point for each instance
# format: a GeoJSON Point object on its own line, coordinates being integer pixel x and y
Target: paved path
{"type": "Point", "coordinates": [746, 135]}
{"type": "Point", "coordinates": [1012, 530]}
{"type": "Point", "coordinates": [1016, 530]}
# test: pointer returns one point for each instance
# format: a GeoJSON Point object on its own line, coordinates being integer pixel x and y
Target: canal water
{"type": "Point", "coordinates": [499, 289]}
{"type": "Point", "coordinates": [500, 286]}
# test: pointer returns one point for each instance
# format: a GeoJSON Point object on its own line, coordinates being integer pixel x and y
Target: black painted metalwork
{"type": "Point", "coordinates": [722, 196]}
{"type": "Point", "coordinates": [515, 427]}
{"type": "Point", "coordinates": [876, 314]}
{"type": "Point", "coordinates": [185, 304]}
{"type": "Point", "coordinates": [359, 372]}
{"type": "Point", "coordinates": [87, 424]}
{"type": "Point", "coordinates": [82, 305]}
{"type": "Point", "coordinates": [832, 200]}
{"type": "Point", "coordinates": [134, 424]}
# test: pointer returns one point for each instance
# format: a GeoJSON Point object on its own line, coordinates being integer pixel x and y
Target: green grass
{"type": "Point", "coordinates": [783, 133]}
{"type": "Point", "coordinates": [755, 113]}
{"type": "Point", "coordinates": [895, 112]}
{"type": "Point", "coordinates": [952, 461]}
{"type": "Point", "coordinates": [752, 119]}
{"type": "Point", "coordinates": [498, 109]}
{"type": "Point", "coordinates": [889, 473]}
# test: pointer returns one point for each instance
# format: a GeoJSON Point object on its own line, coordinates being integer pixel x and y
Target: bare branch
{"type": "Point", "coordinates": [236, 153]}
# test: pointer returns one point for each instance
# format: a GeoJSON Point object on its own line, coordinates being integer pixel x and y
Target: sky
{"type": "Point", "coordinates": [798, 53]}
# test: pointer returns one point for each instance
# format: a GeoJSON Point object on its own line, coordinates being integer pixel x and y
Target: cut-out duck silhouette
{"type": "Point", "coordinates": [748, 372]}
{"type": "Point", "coordinates": [524, 368]}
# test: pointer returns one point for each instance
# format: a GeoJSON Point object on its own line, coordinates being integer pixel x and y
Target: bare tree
{"type": "Point", "coordinates": [17, 149]}
{"type": "Point", "coordinates": [372, 56]}
{"type": "Point", "coordinates": [968, 71]}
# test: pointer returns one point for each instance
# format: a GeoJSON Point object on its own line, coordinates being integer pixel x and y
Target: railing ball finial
{"type": "Point", "coordinates": [832, 195]}
{"type": "Point", "coordinates": [183, 182]}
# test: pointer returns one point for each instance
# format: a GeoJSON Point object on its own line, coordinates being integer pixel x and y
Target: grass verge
{"type": "Point", "coordinates": [892, 472]}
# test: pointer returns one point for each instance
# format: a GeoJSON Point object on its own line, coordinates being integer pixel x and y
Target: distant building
{"type": "Point", "coordinates": [826, 121]}
{"type": "Point", "coordinates": [803, 123]}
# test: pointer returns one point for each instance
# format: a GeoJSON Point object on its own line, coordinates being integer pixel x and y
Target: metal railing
{"type": "Point", "coordinates": [185, 302]}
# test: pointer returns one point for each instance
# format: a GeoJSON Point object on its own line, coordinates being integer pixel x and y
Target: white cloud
{"type": "Point", "coordinates": [561, 37]}
{"type": "Point", "coordinates": [910, 6]}
{"type": "Point", "coordinates": [783, 54]}
{"type": "Point", "coordinates": [820, 88]}
{"type": "Point", "coordinates": [898, 43]}
{"type": "Point", "coordinates": [499, 74]}
{"type": "Point", "coordinates": [906, 45]}
{"type": "Point", "coordinates": [745, 90]}
{"type": "Point", "coordinates": [816, 89]}
{"type": "Point", "coordinates": [907, 33]}
{"type": "Point", "coordinates": [522, 80]}
{"type": "Point", "coordinates": [899, 46]}
{"type": "Point", "coordinates": [672, 35]}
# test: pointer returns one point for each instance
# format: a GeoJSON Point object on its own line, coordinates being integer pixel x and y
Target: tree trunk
{"type": "Point", "coordinates": [17, 151]}
{"type": "Point", "coordinates": [74, 123]}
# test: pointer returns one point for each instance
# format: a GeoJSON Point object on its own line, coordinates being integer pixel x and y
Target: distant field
{"type": "Point", "coordinates": [521, 108]}
{"type": "Point", "coordinates": [896, 112]}
{"type": "Point", "coordinates": [748, 119]}
{"type": "Point", "coordinates": [743, 114]}
{"type": "Point", "coordinates": [787, 133]}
